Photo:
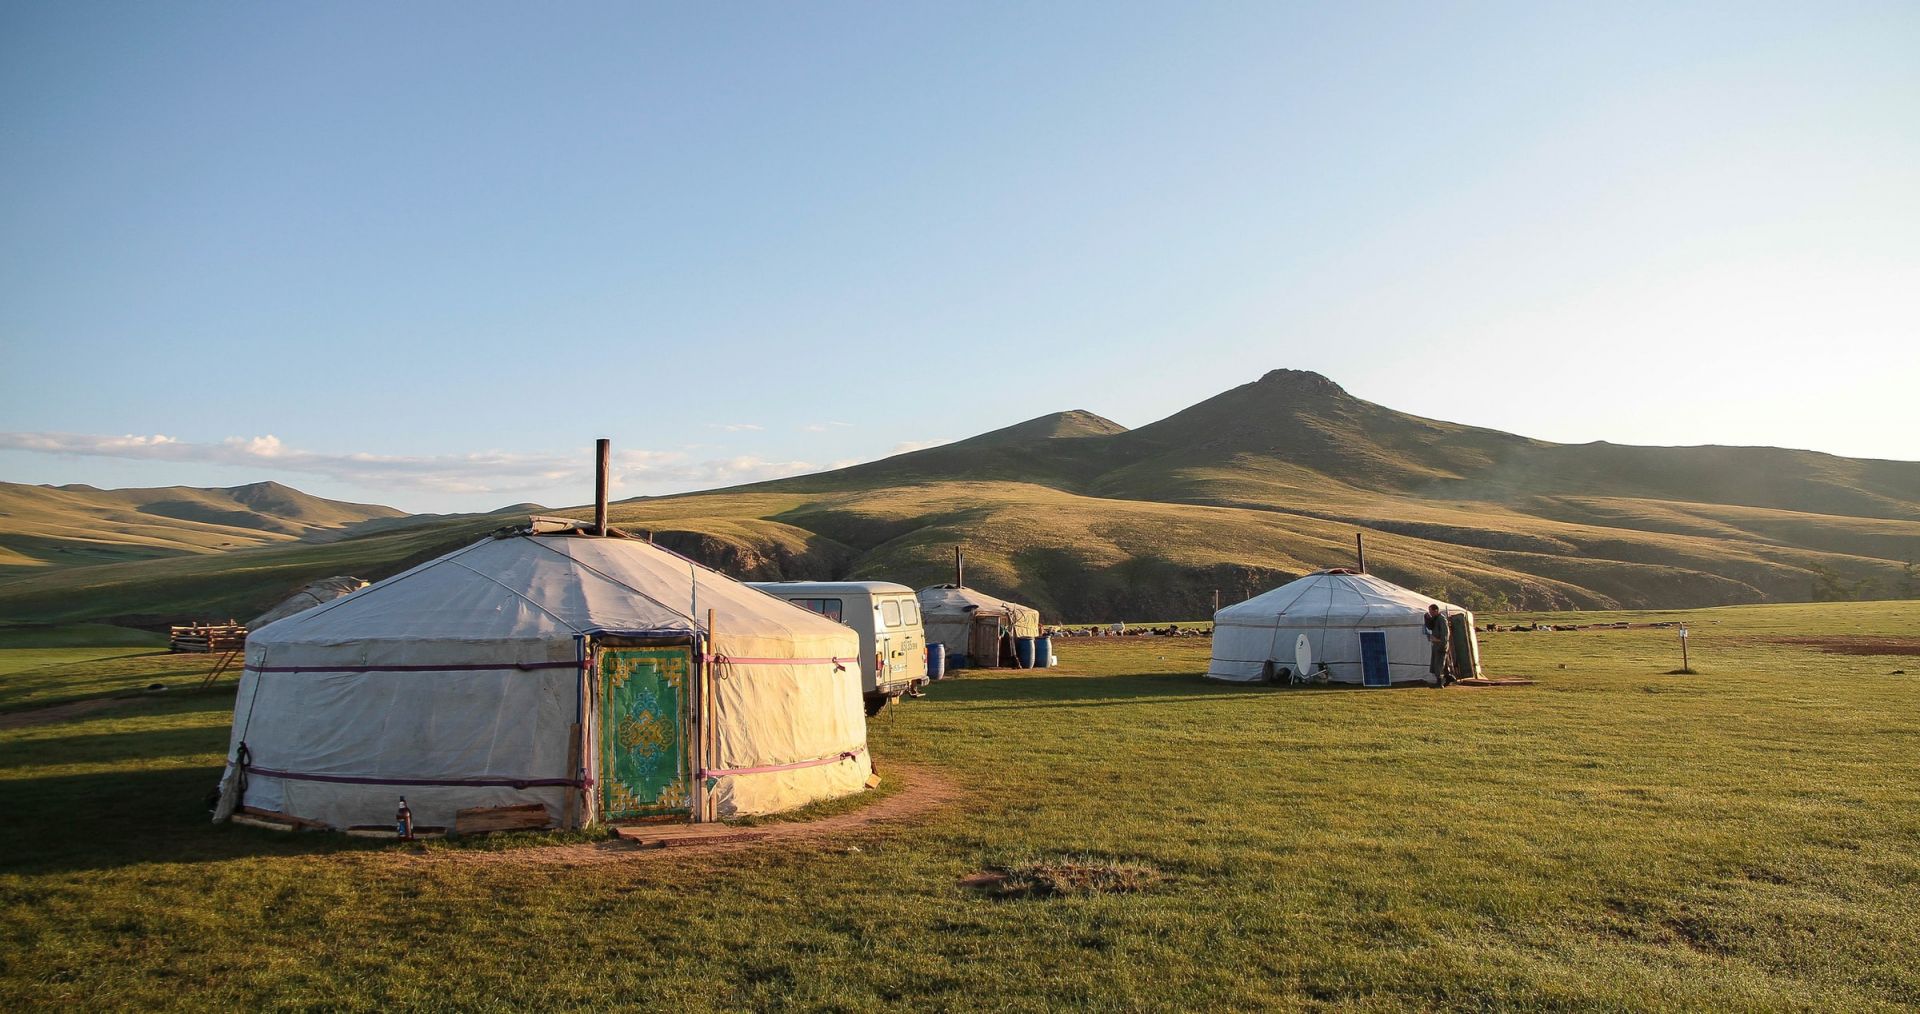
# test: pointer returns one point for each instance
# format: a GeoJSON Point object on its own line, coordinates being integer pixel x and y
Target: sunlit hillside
{"type": "Point", "coordinates": [1090, 520]}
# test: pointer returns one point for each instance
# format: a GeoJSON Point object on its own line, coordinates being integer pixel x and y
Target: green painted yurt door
{"type": "Point", "coordinates": [644, 732]}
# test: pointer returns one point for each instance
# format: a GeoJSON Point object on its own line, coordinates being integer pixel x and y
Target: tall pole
{"type": "Point", "coordinates": [602, 458]}
{"type": "Point", "coordinates": [959, 568]}
{"type": "Point", "coordinates": [1360, 548]}
{"type": "Point", "coordinates": [709, 733]}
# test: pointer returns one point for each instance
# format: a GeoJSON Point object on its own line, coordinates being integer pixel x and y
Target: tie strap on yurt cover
{"type": "Point", "coordinates": [839, 664]}
{"type": "Point", "coordinates": [844, 755]}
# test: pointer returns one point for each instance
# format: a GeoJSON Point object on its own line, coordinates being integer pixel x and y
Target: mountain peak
{"type": "Point", "coordinates": [261, 487]}
{"type": "Point", "coordinates": [1299, 382]}
{"type": "Point", "coordinates": [1053, 426]}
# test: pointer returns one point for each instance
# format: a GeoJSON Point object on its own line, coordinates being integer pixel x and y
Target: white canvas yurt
{"type": "Point", "coordinates": [1363, 630]}
{"type": "Point", "coordinates": [313, 593]}
{"type": "Point", "coordinates": [553, 667]}
{"type": "Point", "coordinates": [974, 624]}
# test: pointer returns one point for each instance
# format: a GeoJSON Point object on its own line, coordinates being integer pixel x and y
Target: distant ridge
{"type": "Point", "coordinates": [78, 524]}
{"type": "Point", "coordinates": [1093, 521]}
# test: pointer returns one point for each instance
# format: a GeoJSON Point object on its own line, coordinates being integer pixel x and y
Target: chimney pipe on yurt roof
{"type": "Point", "coordinates": [959, 568]}
{"type": "Point", "coordinates": [602, 456]}
{"type": "Point", "coordinates": [1360, 547]}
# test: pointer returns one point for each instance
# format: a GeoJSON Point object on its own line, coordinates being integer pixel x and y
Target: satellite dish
{"type": "Point", "coordinates": [1302, 656]}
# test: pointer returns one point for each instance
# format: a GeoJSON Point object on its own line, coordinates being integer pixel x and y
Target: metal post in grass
{"type": "Point", "coordinates": [1685, 667]}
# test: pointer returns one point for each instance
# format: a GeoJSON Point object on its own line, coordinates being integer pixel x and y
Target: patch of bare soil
{"type": "Point", "coordinates": [1855, 644]}
{"type": "Point", "coordinates": [1485, 682]}
{"type": "Point", "coordinates": [59, 712]}
{"type": "Point", "coordinates": [1062, 877]}
{"type": "Point", "coordinates": [925, 790]}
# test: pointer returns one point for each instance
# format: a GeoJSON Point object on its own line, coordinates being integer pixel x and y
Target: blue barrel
{"type": "Point", "coordinates": [936, 660]}
{"type": "Point", "coordinates": [1043, 651]}
{"type": "Point", "coordinates": [1023, 652]}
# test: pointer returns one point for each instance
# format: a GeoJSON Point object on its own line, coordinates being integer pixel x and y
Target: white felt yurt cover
{"type": "Point", "coordinates": [463, 682]}
{"type": "Point", "coordinates": [948, 612]}
{"type": "Point", "coordinates": [1332, 608]}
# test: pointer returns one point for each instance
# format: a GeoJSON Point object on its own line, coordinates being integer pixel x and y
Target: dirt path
{"type": "Point", "coordinates": [1854, 644]}
{"type": "Point", "coordinates": [925, 790]}
{"type": "Point", "coordinates": [59, 712]}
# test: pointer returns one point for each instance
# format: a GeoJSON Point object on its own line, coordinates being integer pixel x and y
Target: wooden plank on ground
{"type": "Point", "coordinates": [290, 821]}
{"type": "Point", "coordinates": [665, 836]}
{"type": "Point", "coordinates": [482, 819]}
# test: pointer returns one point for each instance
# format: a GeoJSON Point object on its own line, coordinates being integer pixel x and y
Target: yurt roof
{"type": "Point", "coordinates": [1331, 597]}
{"type": "Point", "coordinates": [947, 599]}
{"type": "Point", "coordinates": [535, 587]}
{"type": "Point", "coordinates": [311, 594]}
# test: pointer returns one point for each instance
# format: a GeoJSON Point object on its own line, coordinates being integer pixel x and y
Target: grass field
{"type": "Point", "coordinates": [1612, 838]}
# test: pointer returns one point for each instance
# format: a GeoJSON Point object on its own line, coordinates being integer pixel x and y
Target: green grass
{"type": "Point", "coordinates": [79, 635]}
{"type": "Point", "coordinates": [1609, 839]}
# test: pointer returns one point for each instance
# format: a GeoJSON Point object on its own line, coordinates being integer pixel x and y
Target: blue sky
{"type": "Point", "coordinates": [424, 254]}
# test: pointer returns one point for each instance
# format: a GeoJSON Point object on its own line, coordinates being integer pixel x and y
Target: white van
{"type": "Point", "coordinates": [893, 644]}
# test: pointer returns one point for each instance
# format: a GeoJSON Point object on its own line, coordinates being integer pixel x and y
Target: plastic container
{"type": "Point", "coordinates": [1023, 651]}
{"type": "Point", "coordinates": [1043, 651]}
{"type": "Point", "coordinates": [936, 661]}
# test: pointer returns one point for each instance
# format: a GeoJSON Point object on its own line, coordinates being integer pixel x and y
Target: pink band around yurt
{"type": "Point", "coordinates": [479, 667]}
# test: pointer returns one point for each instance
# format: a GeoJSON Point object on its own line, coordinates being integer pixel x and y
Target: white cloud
{"type": "Point", "coordinates": [737, 427]}
{"type": "Point", "coordinates": [489, 472]}
{"type": "Point", "coordinates": [822, 427]}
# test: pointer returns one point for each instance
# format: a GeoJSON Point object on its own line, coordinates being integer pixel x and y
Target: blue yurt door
{"type": "Point", "coordinates": [1373, 659]}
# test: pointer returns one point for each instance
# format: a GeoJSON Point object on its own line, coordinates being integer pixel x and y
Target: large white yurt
{"type": "Point", "coordinates": [1363, 630]}
{"type": "Point", "coordinates": [973, 624]}
{"type": "Point", "coordinates": [547, 666]}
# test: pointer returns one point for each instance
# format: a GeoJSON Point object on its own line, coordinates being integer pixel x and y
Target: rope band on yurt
{"type": "Point", "coordinates": [517, 783]}
{"type": "Point", "coordinates": [839, 664]}
{"type": "Point", "coordinates": [432, 667]}
{"type": "Point", "coordinates": [844, 755]}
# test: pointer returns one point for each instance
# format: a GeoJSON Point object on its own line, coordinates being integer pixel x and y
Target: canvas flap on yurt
{"type": "Point", "coordinates": [464, 682]}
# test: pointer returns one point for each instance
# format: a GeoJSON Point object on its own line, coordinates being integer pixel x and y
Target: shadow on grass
{"type": "Point", "coordinates": [150, 808]}
{"type": "Point", "coordinates": [1094, 691]}
{"type": "Point", "coordinates": [125, 818]}
{"type": "Point", "coordinates": [16, 697]}
{"type": "Point", "coordinates": [121, 747]}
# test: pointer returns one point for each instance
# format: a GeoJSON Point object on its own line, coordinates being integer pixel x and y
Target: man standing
{"type": "Point", "coordinates": [1436, 624]}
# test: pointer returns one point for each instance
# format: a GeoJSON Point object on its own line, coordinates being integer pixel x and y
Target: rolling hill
{"type": "Point", "coordinates": [77, 525]}
{"type": "Point", "coordinates": [1090, 520]}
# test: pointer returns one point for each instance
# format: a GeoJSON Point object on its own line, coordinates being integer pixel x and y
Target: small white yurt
{"type": "Point", "coordinates": [973, 624]}
{"type": "Point", "coordinates": [546, 667]}
{"type": "Point", "coordinates": [1362, 630]}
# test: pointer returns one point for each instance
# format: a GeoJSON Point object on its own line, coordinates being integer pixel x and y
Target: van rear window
{"type": "Point", "coordinates": [910, 612]}
{"type": "Point", "coordinates": [890, 612]}
{"type": "Point", "coordinates": [829, 608]}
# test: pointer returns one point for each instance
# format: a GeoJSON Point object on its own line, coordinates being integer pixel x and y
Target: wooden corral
{"type": "Point", "coordinates": [207, 637]}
